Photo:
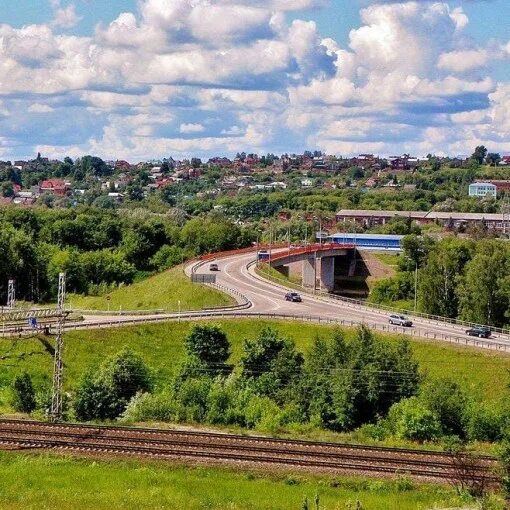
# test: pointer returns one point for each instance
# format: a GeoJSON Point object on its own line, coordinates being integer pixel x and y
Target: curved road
{"type": "Point", "coordinates": [267, 297]}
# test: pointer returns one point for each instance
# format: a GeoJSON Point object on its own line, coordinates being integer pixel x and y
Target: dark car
{"type": "Point", "coordinates": [400, 320]}
{"type": "Point", "coordinates": [293, 296]}
{"type": "Point", "coordinates": [479, 332]}
{"type": "Point", "coordinates": [213, 267]}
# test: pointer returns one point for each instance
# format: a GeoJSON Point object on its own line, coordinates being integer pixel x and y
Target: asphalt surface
{"type": "Point", "coordinates": [268, 297]}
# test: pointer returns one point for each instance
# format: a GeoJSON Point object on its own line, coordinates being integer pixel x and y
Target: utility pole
{"type": "Point", "coordinates": [56, 401]}
{"type": "Point", "coordinates": [416, 287]}
{"type": "Point", "coordinates": [11, 294]}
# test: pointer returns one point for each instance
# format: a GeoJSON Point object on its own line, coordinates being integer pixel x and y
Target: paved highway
{"type": "Point", "coordinates": [267, 297]}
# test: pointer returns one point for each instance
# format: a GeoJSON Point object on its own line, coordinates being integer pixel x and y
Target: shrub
{"type": "Point", "coordinates": [106, 394]}
{"type": "Point", "coordinates": [210, 345]}
{"type": "Point", "coordinates": [23, 394]}
{"type": "Point", "coordinates": [411, 420]}
{"type": "Point", "coordinates": [150, 407]}
{"type": "Point", "coordinates": [484, 423]}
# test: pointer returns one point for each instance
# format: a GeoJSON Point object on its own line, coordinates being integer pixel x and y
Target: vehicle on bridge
{"type": "Point", "coordinates": [480, 332]}
{"type": "Point", "coordinates": [400, 320]}
{"type": "Point", "coordinates": [293, 296]}
{"type": "Point", "coordinates": [263, 256]}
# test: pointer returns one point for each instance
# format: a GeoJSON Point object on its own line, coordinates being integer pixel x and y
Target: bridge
{"type": "Point", "coordinates": [318, 262]}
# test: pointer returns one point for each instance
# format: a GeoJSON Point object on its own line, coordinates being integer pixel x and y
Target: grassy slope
{"type": "Point", "coordinates": [162, 291]}
{"type": "Point", "coordinates": [483, 373]}
{"type": "Point", "coordinates": [48, 482]}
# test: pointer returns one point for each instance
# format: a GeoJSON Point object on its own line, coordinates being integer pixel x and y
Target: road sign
{"type": "Point", "coordinates": [32, 322]}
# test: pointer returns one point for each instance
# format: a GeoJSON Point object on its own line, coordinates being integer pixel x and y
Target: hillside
{"type": "Point", "coordinates": [161, 291]}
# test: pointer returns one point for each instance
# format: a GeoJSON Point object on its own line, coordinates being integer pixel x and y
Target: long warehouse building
{"type": "Point", "coordinates": [369, 218]}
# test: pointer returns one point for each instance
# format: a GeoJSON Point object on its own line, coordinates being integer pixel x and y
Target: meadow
{"type": "Point", "coordinates": [169, 290]}
{"type": "Point", "coordinates": [46, 482]}
{"type": "Point", "coordinates": [483, 374]}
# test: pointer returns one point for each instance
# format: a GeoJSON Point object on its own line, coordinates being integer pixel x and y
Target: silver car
{"type": "Point", "coordinates": [400, 320]}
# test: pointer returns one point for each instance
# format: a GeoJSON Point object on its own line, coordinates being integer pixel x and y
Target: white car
{"type": "Point", "coordinates": [400, 320]}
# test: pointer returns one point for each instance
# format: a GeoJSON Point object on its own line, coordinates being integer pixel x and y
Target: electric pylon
{"type": "Point", "coordinates": [11, 295]}
{"type": "Point", "coordinates": [56, 401]}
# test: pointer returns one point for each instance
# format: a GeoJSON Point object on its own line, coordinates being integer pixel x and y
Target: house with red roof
{"type": "Point", "coordinates": [54, 187]}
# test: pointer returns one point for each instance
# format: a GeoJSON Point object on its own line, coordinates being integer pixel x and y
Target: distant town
{"type": "Point", "coordinates": [454, 192]}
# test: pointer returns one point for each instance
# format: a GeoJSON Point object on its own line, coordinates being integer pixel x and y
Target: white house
{"type": "Point", "coordinates": [482, 189]}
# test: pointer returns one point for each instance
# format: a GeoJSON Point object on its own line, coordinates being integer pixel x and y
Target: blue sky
{"type": "Point", "coordinates": [138, 79]}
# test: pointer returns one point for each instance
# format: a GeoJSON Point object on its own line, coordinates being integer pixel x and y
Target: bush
{"type": "Point", "coordinates": [222, 403]}
{"type": "Point", "coordinates": [484, 423]}
{"type": "Point", "coordinates": [448, 401]}
{"type": "Point", "coordinates": [191, 399]}
{"type": "Point", "coordinates": [23, 394]}
{"type": "Point", "coordinates": [262, 412]}
{"type": "Point", "coordinates": [150, 407]}
{"type": "Point", "coordinates": [106, 394]}
{"type": "Point", "coordinates": [410, 419]}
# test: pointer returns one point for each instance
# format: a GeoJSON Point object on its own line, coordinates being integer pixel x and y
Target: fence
{"type": "Point", "coordinates": [203, 278]}
{"type": "Point", "coordinates": [230, 315]}
{"type": "Point", "coordinates": [375, 306]}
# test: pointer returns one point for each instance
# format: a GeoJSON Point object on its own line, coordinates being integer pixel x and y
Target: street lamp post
{"type": "Point", "coordinates": [416, 287]}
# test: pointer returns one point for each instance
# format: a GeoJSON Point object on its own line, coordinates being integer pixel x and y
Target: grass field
{"type": "Point", "coordinates": [161, 291]}
{"type": "Point", "coordinates": [482, 373]}
{"type": "Point", "coordinates": [45, 482]}
{"type": "Point", "coordinates": [390, 259]}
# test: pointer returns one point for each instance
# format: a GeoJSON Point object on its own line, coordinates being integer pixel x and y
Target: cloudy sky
{"type": "Point", "coordinates": [137, 79]}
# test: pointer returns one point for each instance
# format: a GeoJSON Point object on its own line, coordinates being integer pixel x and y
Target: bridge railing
{"type": "Point", "coordinates": [311, 248]}
{"type": "Point", "coordinates": [380, 307]}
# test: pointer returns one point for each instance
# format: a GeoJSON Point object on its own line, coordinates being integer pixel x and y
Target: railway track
{"type": "Point", "coordinates": [22, 435]}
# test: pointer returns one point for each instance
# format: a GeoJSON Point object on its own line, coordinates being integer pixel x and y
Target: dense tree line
{"type": "Point", "coordinates": [99, 248]}
{"type": "Point", "coordinates": [457, 278]}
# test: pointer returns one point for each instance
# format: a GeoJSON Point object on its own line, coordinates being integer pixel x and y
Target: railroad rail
{"type": "Point", "coordinates": [24, 435]}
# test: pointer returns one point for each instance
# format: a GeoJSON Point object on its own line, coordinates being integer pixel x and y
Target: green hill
{"type": "Point", "coordinates": [162, 291]}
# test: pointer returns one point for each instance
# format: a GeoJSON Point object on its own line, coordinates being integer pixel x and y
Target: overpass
{"type": "Point", "coordinates": [318, 262]}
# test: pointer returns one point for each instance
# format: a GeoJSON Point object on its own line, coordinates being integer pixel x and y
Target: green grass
{"type": "Point", "coordinates": [483, 373]}
{"type": "Point", "coordinates": [45, 482]}
{"type": "Point", "coordinates": [390, 259]}
{"type": "Point", "coordinates": [161, 291]}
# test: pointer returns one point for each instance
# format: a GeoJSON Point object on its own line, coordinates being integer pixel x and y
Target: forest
{"type": "Point", "coordinates": [100, 248]}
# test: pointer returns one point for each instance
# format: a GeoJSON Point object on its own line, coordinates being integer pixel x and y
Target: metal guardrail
{"type": "Point", "coordinates": [494, 345]}
{"type": "Point", "coordinates": [380, 307]}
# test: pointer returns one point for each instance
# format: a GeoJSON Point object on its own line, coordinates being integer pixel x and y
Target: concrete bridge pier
{"type": "Point", "coordinates": [309, 272]}
{"type": "Point", "coordinates": [327, 274]}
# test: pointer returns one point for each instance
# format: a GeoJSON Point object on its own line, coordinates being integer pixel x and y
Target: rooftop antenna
{"type": "Point", "coordinates": [56, 401]}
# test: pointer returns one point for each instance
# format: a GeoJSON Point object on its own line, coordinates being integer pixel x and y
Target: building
{"type": "Point", "coordinates": [369, 241]}
{"type": "Point", "coordinates": [54, 187]}
{"type": "Point", "coordinates": [482, 189]}
{"type": "Point", "coordinates": [368, 218]}
{"type": "Point", "coordinates": [501, 185]}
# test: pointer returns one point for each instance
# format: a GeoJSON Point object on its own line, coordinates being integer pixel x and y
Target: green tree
{"type": "Point", "coordinates": [448, 401]}
{"type": "Point", "coordinates": [484, 296]}
{"type": "Point", "coordinates": [479, 154]}
{"type": "Point", "coordinates": [210, 345]}
{"type": "Point", "coordinates": [439, 277]}
{"type": "Point", "coordinates": [272, 364]}
{"type": "Point", "coordinates": [106, 393]}
{"type": "Point", "coordinates": [24, 400]}
{"type": "Point", "coordinates": [493, 158]}
{"type": "Point", "coordinates": [410, 419]}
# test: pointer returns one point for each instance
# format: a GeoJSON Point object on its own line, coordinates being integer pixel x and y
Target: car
{"type": "Point", "coordinates": [213, 267]}
{"type": "Point", "coordinates": [293, 296]}
{"type": "Point", "coordinates": [400, 320]}
{"type": "Point", "coordinates": [480, 332]}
